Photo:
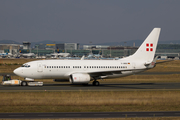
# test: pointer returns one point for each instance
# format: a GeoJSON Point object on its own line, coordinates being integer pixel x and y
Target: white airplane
{"type": "Point", "coordinates": [84, 71]}
{"type": "Point", "coordinates": [57, 55]}
{"type": "Point", "coordinates": [28, 55]}
{"type": "Point", "coordinates": [6, 55]}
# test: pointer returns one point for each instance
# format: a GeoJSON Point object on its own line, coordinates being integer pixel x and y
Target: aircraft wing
{"type": "Point", "coordinates": [164, 61]}
{"type": "Point", "coordinates": [104, 73]}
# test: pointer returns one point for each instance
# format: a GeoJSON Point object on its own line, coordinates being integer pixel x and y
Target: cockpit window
{"type": "Point", "coordinates": [26, 65]}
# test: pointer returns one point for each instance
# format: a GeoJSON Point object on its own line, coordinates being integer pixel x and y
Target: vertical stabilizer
{"type": "Point", "coordinates": [147, 49]}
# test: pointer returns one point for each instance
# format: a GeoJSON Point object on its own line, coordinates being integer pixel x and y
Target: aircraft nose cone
{"type": "Point", "coordinates": [17, 71]}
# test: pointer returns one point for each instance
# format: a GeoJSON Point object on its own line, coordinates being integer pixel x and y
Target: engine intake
{"type": "Point", "coordinates": [79, 78]}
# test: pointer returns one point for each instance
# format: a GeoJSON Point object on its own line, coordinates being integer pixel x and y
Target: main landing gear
{"type": "Point", "coordinates": [95, 83]}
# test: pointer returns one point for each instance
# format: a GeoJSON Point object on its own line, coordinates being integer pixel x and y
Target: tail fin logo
{"type": "Point", "coordinates": [149, 47]}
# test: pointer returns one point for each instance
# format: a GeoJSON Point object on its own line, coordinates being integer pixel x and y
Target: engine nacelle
{"type": "Point", "coordinates": [79, 78]}
{"type": "Point", "coordinates": [29, 79]}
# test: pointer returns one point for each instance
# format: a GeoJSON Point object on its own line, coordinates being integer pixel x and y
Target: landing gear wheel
{"type": "Point", "coordinates": [24, 83]}
{"type": "Point", "coordinates": [95, 83]}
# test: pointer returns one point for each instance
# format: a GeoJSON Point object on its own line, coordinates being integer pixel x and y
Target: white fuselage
{"type": "Point", "coordinates": [62, 69]}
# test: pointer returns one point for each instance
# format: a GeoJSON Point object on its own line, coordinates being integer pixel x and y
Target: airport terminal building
{"type": "Point", "coordinates": [169, 50]}
{"type": "Point", "coordinates": [163, 50]}
{"type": "Point", "coordinates": [9, 48]}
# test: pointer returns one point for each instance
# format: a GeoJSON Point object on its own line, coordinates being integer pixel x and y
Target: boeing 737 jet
{"type": "Point", "coordinates": [83, 71]}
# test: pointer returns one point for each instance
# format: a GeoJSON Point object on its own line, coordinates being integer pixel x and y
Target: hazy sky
{"type": "Point", "coordinates": [83, 21]}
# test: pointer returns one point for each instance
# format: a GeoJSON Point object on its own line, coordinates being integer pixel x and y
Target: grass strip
{"type": "Point", "coordinates": [90, 101]}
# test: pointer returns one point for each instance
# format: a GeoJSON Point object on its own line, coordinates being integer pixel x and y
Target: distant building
{"type": "Point", "coordinates": [169, 50]}
{"type": "Point", "coordinates": [26, 45]}
{"type": "Point", "coordinates": [71, 46]}
{"type": "Point", "coordinates": [40, 46]}
{"type": "Point", "coordinates": [50, 46]}
{"type": "Point", "coordinates": [87, 47]}
{"type": "Point", "coordinates": [60, 46]}
{"type": "Point", "coordinates": [9, 48]}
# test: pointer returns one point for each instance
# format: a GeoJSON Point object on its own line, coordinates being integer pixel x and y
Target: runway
{"type": "Point", "coordinates": [89, 115]}
{"type": "Point", "coordinates": [102, 87]}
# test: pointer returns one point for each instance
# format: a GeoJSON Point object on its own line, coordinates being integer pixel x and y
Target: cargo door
{"type": "Point", "coordinates": [134, 65]}
{"type": "Point", "coordinates": [40, 67]}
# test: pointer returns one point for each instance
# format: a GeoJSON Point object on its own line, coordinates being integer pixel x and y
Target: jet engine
{"type": "Point", "coordinates": [79, 78]}
{"type": "Point", "coordinates": [29, 79]}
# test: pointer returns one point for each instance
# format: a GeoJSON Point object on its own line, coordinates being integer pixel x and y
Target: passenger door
{"type": "Point", "coordinates": [40, 67]}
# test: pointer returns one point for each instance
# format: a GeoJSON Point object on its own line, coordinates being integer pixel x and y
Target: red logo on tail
{"type": "Point", "coordinates": [149, 47]}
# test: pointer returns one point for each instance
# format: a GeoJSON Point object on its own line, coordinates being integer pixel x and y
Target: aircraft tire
{"type": "Point", "coordinates": [95, 83]}
{"type": "Point", "coordinates": [23, 83]}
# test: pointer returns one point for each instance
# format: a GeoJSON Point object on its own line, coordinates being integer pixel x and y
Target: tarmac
{"type": "Point", "coordinates": [102, 87]}
{"type": "Point", "coordinates": [60, 86]}
{"type": "Point", "coordinates": [89, 115]}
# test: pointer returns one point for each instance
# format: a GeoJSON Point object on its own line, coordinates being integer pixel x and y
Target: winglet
{"type": "Point", "coordinates": [82, 57]}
